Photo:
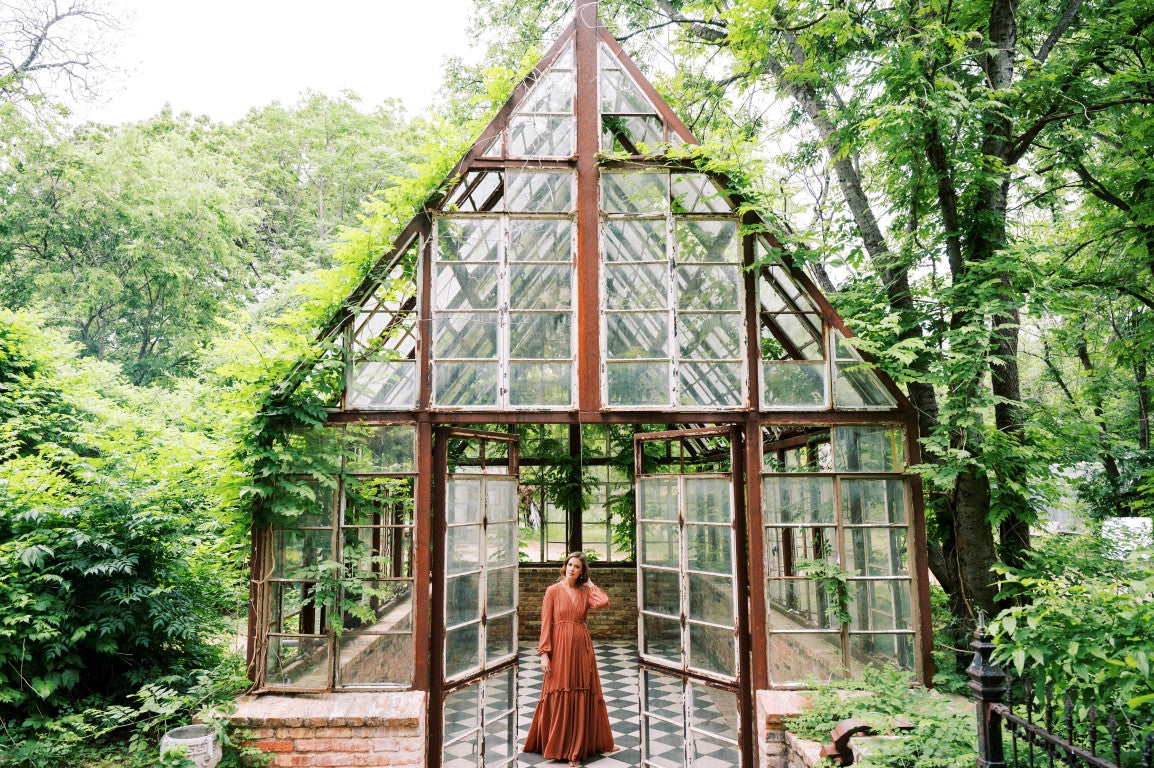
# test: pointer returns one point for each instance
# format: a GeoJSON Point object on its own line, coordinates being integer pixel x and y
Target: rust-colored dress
{"type": "Point", "coordinates": [571, 721]}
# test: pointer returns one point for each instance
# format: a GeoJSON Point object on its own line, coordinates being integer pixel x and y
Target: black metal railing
{"type": "Point", "coordinates": [1047, 728]}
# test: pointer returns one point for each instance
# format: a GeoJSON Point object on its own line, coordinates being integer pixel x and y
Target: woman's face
{"type": "Point", "coordinates": [573, 570]}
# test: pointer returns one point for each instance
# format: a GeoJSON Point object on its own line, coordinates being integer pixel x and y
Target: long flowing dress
{"type": "Point", "coordinates": [571, 721]}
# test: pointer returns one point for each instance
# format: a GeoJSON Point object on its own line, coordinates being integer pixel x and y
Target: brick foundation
{"type": "Point", "coordinates": [369, 730]}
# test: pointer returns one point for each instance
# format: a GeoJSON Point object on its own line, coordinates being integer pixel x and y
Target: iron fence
{"type": "Point", "coordinates": [1046, 727]}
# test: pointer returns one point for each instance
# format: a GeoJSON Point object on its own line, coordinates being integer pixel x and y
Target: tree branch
{"type": "Point", "coordinates": [1022, 144]}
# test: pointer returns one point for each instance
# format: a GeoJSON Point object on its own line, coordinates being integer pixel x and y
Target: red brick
{"type": "Point", "coordinates": [273, 745]}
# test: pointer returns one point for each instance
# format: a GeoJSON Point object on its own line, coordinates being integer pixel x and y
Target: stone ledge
{"type": "Point", "coordinates": [773, 707]}
{"type": "Point", "coordinates": [396, 709]}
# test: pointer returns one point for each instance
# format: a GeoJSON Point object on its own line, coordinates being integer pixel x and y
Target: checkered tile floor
{"type": "Point", "coordinates": [617, 665]}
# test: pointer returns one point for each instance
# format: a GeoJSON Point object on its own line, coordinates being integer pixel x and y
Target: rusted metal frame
{"type": "Point", "coordinates": [574, 516]}
{"type": "Point", "coordinates": [919, 554]}
{"type": "Point", "coordinates": [587, 108]}
{"type": "Point", "coordinates": [741, 541]}
{"type": "Point", "coordinates": [759, 677]}
{"type": "Point", "coordinates": [676, 434]}
{"type": "Point", "coordinates": [781, 336]}
{"type": "Point", "coordinates": [800, 441]}
{"type": "Point", "coordinates": [521, 164]}
{"type": "Point", "coordinates": [752, 326]}
{"type": "Point", "coordinates": [480, 434]}
{"type": "Point", "coordinates": [830, 418]}
{"type": "Point", "coordinates": [672, 121]}
{"type": "Point", "coordinates": [425, 322]}
{"type": "Point", "coordinates": [258, 606]}
{"type": "Point", "coordinates": [478, 676]}
{"type": "Point", "coordinates": [436, 652]}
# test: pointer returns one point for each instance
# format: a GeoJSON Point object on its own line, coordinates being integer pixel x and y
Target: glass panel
{"type": "Point", "coordinates": [873, 501]}
{"type": "Point", "coordinates": [466, 286]}
{"type": "Point", "coordinates": [712, 384]}
{"type": "Point", "coordinates": [500, 718]}
{"type": "Point", "coordinates": [857, 386]}
{"type": "Point", "coordinates": [797, 658]}
{"type": "Point", "coordinates": [478, 191]}
{"type": "Point", "coordinates": [779, 293]}
{"type": "Point", "coordinates": [498, 638]}
{"type": "Point", "coordinates": [658, 499]}
{"type": "Point", "coordinates": [793, 384]}
{"type": "Point", "coordinates": [463, 501]}
{"type": "Point", "coordinates": [501, 590]}
{"type": "Point", "coordinates": [713, 649]}
{"type": "Point", "coordinates": [540, 191]}
{"type": "Point", "coordinates": [711, 598]}
{"type": "Point", "coordinates": [713, 718]}
{"type": "Point", "coordinates": [800, 335]}
{"type": "Point", "coordinates": [660, 545]}
{"type": "Point", "coordinates": [637, 286]}
{"type": "Point", "coordinates": [714, 241]}
{"type": "Point", "coordinates": [368, 659]}
{"type": "Point", "coordinates": [540, 240]}
{"type": "Point", "coordinates": [462, 598]}
{"type": "Point", "coordinates": [638, 335]}
{"type": "Point", "coordinates": [297, 661]}
{"type": "Point", "coordinates": [710, 336]}
{"type": "Point", "coordinates": [662, 720]}
{"type": "Point", "coordinates": [382, 385]}
{"type": "Point", "coordinates": [869, 449]}
{"type": "Point", "coordinates": [661, 592]}
{"type": "Point", "coordinates": [463, 548]}
{"type": "Point", "coordinates": [535, 286]}
{"type": "Point", "coordinates": [708, 500]}
{"type": "Point", "coordinates": [501, 543]}
{"type": "Point", "coordinates": [696, 193]}
{"type": "Point", "coordinates": [877, 551]}
{"type": "Point", "coordinates": [638, 383]}
{"type": "Point", "coordinates": [459, 335]}
{"type": "Point", "coordinates": [619, 94]}
{"type": "Point", "coordinates": [464, 384]}
{"type": "Point", "coordinates": [540, 384]}
{"type": "Point", "coordinates": [500, 695]}
{"type": "Point", "coordinates": [462, 713]}
{"type": "Point", "coordinates": [540, 335]}
{"type": "Point", "coordinates": [806, 500]}
{"type": "Point", "coordinates": [635, 192]}
{"type": "Point", "coordinates": [634, 134]}
{"type": "Point", "coordinates": [461, 650]}
{"type": "Point", "coordinates": [798, 604]}
{"type": "Point", "coordinates": [880, 605]}
{"type": "Point", "coordinates": [500, 497]}
{"type": "Point", "coordinates": [662, 637]}
{"type": "Point", "coordinates": [541, 136]}
{"type": "Point", "coordinates": [635, 240]}
{"type": "Point", "coordinates": [468, 239]}
{"type": "Point", "coordinates": [463, 754]}
{"type": "Point", "coordinates": [879, 650]}
{"type": "Point", "coordinates": [298, 554]}
{"type": "Point", "coordinates": [711, 287]}
{"type": "Point", "coordinates": [709, 548]}
{"type": "Point", "coordinates": [494, 148]}
{"type": "Point", "coordinates": [553, 92]}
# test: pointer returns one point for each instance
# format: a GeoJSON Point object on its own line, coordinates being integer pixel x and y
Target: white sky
{"type": "Point", "coordinates": [221, 57]}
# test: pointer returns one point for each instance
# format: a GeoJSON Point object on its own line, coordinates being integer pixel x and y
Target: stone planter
{"type": "Point", "coordinates": [197, 742]}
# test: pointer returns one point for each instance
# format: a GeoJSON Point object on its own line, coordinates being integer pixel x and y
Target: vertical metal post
{"type": "Point", "coordinates": [587, 108]}
{"type": "Point", "coordinates": [988, 683]}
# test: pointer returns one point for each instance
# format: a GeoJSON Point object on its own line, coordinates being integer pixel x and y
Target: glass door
{"type": "Point", "coordinates": [475, 596]}
{"type": "Point", "coordinates": [691, 599]}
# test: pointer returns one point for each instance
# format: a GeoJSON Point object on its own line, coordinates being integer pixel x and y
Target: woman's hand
{"type": "Point", "coordinates": [545, 663]}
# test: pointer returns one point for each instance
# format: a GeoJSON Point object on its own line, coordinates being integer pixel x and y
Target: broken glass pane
{"type": "Point", "coordinates": [714, 241]}
{"type": "Point", "coordinates": [857, 386]}
{"type": "Point", "coordinates": [478, 191]}
{"type": "Point", "coordinates": [636, 286]}
{"type": "Point", "coordinates": [711, 384]}
{"type": "Point", "coordinates": [635, 240]}
{"type": "Point", "coordinates": [638, 383]}
{"type": "Point", "coordinates": [793, 384]}
{"type": "Point", "coordinates": [463, 384]}
{"type": "Point", "coordinates": [634, 134]}
{"type": "Point", "coordinates": [466, 286]}
{"type": "Point", "coordinates": [541, 136]}
{"type": "Point", "coordinates": [635, 192]}
{"type": "Point", "coordinates": [540, 335]}
{"type": "Point", "coordinates": [540, 240]}
{"type": "Point", "coordinates": [540, 192]}
{"type": "Point", "coordinates": [494, 148]}
{"type": "Point", "coordinates": [696, 193]}
{"type": "Point", "coordinates": [779, 293]}
{"type": "Point", "coordinates": [468, 239]}
{"type": "Point", "coordinates": [637, 334]}
{"type": "Point", "coordinates": [543, 384]}
{"type": "Point", "coordinates": [709, 336]}
{"type": "Point", "coordinates": [708, 287]}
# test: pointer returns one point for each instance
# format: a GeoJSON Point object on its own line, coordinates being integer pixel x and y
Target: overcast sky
{"type": "Point", "coordinates": [221, 57]}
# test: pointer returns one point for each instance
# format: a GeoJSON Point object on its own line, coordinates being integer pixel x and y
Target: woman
{"type": "Point", "coordinates": [571, 721]}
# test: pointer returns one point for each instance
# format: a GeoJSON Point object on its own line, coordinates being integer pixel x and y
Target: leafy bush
{"type": "Point", "coordinates": [943, 735]}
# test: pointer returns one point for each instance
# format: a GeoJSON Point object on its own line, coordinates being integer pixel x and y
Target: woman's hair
{"type": "Point", "coordinates": [584, 577]}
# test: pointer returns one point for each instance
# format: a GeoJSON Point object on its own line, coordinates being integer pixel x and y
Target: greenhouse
{"type": "Point", "coordinates": [588, 342]}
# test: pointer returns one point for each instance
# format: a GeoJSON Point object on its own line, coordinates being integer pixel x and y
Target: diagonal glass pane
{"type": "Point", "coordinates": [553, 92]}
{"type": "Point", "coordinates": [468, 239]}
{"type": "Point", "coordinates": [540, 191]}
{"type": "Point", "coordinates": [636, 286]}
{"type": "Point", "coordinates": [619, 94]}
{"type": "Point", "coordinates": [716, 287]}
{"type": "Point", "coordinates": [637, 335]}
{"type": "Point", "coordinates": [540, 240]}
{"type": "Point", "coordinates": [858, 386]}
{"type": "Point", "coordinates": [478, 191]}
{"type": "Point", "coordinates": [635, 134]}
{"type": "Point", "coordinates": [534, 286]}
{"type": "Point", "coordinates": [541, 136]}
{"type": "Point", "coordinates": [465, 335]}
{"type": "Point", "coordinates": [696, 193]}
{"type": "Point", "coordinates": [540, 335]}
{"type": "Point", "coordinates": [635, 240]}
{"type": "Point", "coordinates": [714, 241]}
{"type": "Point", "coordinates": [635, 192]}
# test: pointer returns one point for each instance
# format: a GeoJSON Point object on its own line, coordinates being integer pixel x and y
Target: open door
{"type": "Point", "coordinates": [473, 704]}
{"type": "Point", "coordinates": [693, 643]}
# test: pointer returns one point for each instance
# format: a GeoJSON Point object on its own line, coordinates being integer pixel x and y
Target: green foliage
{"type": "Point", "coordinates": [942, 736]}
{"type": "Point", "coordinates": [951, 643]}
{"type": "Point", "coordinates": [833, 580]}
{"type": "Point", "coordinates": [1084, 621]}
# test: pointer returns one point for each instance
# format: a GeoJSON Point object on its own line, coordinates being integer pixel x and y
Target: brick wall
{"type": "Point", "coordinates": [371, 730]}
{"type": "Point", "coordinates": [617, 622]}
